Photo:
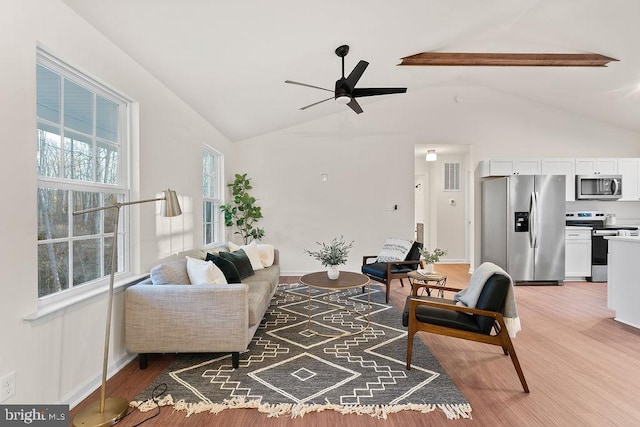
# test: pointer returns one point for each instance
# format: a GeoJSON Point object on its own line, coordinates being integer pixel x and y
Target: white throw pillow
{"type": "Point", "coordinates": [395, 250]}
{"type": "Point", "coordinates": [267, 255]}
{"type": "Point", "coordinates": [252, 253]}
{"type": "Point", "coordinates": [204, 272]}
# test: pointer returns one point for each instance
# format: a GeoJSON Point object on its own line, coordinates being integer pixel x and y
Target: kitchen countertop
{"type": "Point", "coordinates": [632, 239]}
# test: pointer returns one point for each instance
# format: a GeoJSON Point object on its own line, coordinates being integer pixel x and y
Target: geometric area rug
{"type": "Point", "coordinates": [288, 371]}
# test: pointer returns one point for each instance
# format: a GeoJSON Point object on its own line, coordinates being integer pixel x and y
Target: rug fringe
{"type": "Point", "coordinates": [298, 410]}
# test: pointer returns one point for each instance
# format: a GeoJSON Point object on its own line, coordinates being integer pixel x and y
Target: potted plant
{"type": "Point", "coordinates": [243, 211]}
{"type": "Point", "coordinates": [431, 258]}
{"type": "Point", "coordinates": [332, 254]}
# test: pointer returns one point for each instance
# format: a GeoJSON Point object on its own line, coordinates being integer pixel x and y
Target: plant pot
{"type": "Point", "coordinates": [333, 272]}
{"type": "Point", "coordinates": [429, 268]}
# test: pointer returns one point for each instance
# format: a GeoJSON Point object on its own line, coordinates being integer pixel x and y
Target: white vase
{"type": "Point", "coordinates": [429, 268]}
{"type": "Point", "coordinates": [333, 272]}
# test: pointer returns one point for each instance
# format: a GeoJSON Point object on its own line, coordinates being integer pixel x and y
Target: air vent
{"type": "Point", "coordinates": [452, 177]}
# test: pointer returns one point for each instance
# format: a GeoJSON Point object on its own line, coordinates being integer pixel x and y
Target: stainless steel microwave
{"type": "Point", "coordinates": [598, 187]}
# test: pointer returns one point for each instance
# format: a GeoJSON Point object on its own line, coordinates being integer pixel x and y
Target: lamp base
{"type": "Point", "coordinates": [114, 409]}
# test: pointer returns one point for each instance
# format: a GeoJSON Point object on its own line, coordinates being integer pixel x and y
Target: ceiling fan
{"type": "Point", "coordinates": [345, 91]}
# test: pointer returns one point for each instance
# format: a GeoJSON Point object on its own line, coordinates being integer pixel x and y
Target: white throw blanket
{"type": "Point", "coordinates": [470, 295]}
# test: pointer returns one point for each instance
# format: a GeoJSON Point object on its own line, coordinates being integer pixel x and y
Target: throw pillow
{"type": "Point", "coordinates": [228, 269]}
{"type": "Point", "coordinates": [266, 254]}
{"type": "Point", "coordinates": [252, 253]}
{"type": "Point", "coordinates": [395, 250]}
{"type": "Point", "coordinates": [170, 273]}
{"type": "Point", "coordinates": [240, 260]}
{"type": "Point", "coordinates": [204, 272]}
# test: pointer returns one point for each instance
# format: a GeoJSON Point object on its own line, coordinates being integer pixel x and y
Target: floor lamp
{"type": "Point", "coordinates": [106, 412]}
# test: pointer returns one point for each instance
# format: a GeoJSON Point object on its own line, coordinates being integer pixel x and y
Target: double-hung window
{"type": "Point", "coordinates": [211, 182]}
{"type": "Point", "coordinates": [82, 142]}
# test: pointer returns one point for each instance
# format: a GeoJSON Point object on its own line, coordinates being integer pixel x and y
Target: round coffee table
{"type": "Point", "coordinates": [346, 280]}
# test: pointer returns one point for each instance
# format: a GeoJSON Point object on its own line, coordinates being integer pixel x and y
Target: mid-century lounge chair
{"type": "Point", "coordinates": [385, 272]}
{"type": "Point", "coordinates": [484, 323]}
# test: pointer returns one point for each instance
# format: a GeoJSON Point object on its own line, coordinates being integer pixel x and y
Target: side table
{"type": "Point", "coordinates": [419, 280]}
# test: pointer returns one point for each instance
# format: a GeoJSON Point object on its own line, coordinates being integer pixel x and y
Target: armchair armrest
{"type": "Point", "coordinates": [415, 302]}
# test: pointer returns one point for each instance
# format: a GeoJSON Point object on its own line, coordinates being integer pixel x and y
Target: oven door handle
{"type": "Point", "coordinates": [616, 186]}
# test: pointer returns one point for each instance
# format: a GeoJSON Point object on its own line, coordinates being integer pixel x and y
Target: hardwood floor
{"type": "Point", "coordinates": [583, 369]}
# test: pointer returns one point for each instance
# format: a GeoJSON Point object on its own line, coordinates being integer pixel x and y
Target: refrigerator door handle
{"type": "Point", "coordinates": [533, 220]}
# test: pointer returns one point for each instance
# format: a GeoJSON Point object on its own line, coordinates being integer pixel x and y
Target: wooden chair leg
{"type": "Point", "coordinates": [508, 348]}
{"type": "Point", "coordinates": [409, 349]}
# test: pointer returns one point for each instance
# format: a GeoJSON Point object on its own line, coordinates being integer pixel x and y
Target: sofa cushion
{"type": "Point", "coordinates": [173, 273]}
{"type": "Point", "coordinates": [240, 260]}
{"type": "Point", "coordinates": [394, 250]}
{"type": "Point", "coordinates": [259, 300]}
{"type": "Point", "coordinates": [252, 253]}
{"type": "Point", "coordinates": [204, 272]}
{"type": "Point", "coordinates": [228, 268]}
{"type": "Point", "coordinates": [269, 275]}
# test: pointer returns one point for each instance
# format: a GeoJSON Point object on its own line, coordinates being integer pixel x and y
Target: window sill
{"type": "Point", "coordinates": [58, 308]}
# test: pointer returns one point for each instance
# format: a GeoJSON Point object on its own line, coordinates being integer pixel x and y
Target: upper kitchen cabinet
{"type": "Point", "coordinates": [509, 167]}
{"type": "Point", "coordinates": [596, 166]}
{"type": "Point", "coordinates": [630, 171]}
{"type": "Point", "coordinates": [560, 166]}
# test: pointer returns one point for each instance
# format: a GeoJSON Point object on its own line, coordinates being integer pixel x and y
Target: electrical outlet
{"type": "Point", "coordinates": [7, 386]}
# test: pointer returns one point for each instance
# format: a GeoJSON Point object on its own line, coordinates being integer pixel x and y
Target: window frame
{"type": "Point", "coordinates": [215, 202]}
{"type": "Point", "coordinates": [121, 188]}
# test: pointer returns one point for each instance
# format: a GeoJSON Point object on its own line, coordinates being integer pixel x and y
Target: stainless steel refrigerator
{"type": "Point", "coordinates": [523, 226]}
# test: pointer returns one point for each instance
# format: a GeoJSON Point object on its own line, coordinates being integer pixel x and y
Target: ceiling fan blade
{"type": "Point", "coordinates": [355, 106]}
{"type": "Point", "coordinates": [304, 84]}
{"type": "Point", "coordinates": [315, 103]}
{"type": "Point", "coordinates": [373, 91]}
{"type": "Point", "coordinates": [356, 73]}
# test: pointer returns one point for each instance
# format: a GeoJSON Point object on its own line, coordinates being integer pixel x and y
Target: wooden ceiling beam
{"type": "Point", "coordinates": [507, 59]}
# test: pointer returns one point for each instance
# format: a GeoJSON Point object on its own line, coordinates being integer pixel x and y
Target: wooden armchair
{"type": "Point", "coordinates": [484, 323]}
{"type": "Point", "coordinates": [385, 272]}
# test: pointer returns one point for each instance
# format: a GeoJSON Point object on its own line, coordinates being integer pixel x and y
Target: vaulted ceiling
{"type": "Point", "coordinates": [229, 59]}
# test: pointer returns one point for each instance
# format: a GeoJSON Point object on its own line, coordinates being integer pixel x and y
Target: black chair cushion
{"type": "Point", "coordinates": [379, 269]}
{"type": "Point", "coordinates": [492, 298]}
{"type": "Point", "coordinates": [414, 254]}
{"type": "Point", "coordinates": [440, 316]}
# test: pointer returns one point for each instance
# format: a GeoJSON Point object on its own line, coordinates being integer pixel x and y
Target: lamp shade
{"type": "Point", "coordinates": [170, 204]}
{"type": "Point", "coordinates": [431, 156]}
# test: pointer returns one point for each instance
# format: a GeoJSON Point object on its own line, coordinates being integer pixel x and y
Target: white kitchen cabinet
{"type": "Point", "coordinates": [577, 257]}
{"type": "Point", "coordinates": [629, 168]}
{"type": "Point", "coordinates": [597, 166]}
{"type": "Point", "coordinates": [504, 167]}
{"type": "Point", "coordinates": [562, 166]}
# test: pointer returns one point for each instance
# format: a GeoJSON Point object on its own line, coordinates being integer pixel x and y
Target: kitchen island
{"type": "Point", "coordinates": [623, 289]}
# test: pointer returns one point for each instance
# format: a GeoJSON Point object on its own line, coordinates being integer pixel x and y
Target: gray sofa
{"type": "Point", "coordinates": [185, 318]}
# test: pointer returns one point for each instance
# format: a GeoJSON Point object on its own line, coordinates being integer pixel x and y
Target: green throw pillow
{"type": "Point", "coordinates": [240, 260]}
{"type": "Point", "coordinates": [228, 268]}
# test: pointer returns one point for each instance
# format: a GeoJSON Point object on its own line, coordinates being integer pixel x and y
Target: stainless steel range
{"type": "Point", "coordinates": [599, 245]}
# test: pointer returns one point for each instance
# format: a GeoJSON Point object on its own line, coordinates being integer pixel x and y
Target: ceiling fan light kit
{"type": "Point", "coordinates": [345, 91]}
{"type": "Point", "coordinates": [508, 59]}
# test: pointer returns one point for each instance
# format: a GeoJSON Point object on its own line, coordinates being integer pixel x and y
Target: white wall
{"type": "Point", "coordinates": [59, 359]}
{"type": "Point", "coordinates": [369, 158]}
